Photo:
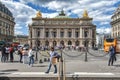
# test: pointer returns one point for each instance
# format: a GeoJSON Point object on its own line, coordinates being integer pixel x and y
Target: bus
{"type": "Point", "coordinates": [108, 42]}
{"type": "Point", "coordinates": [112, 41]}
{"type": "Point", "coordinates": [15, 44]}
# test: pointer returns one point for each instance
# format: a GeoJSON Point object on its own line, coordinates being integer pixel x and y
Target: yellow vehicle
{"type": "Point", "coordinates": [108, 42]}
{"type": "Point", "coordinates": [111, 41]}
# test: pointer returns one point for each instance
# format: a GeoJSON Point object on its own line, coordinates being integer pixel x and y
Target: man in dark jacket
{"type": "Point", "coordinates": [3, 58]}
{"type": "Point", "coordinates": [112, 55]}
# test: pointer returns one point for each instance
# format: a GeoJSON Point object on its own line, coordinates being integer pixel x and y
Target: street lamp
{"type": "Point", "coordinates": [36, 49]}
{"type": "Point", "coordinates": [62, 65]}
{"type": "Point", "coordinates": [86, 42]}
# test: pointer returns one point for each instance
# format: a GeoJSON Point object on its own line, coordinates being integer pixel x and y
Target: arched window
{"type": "Point", "coordinates": [69, 43]}
{"type": "Point", "coordinates": [46, 43]}
{"type": "Point", "coordinates": [37, 43]}
{"type": "Point", "coordinates": [54, 43]}
{"type": "Point", "coordinates": [77, 43]}
{"type": "Point", "coordinates": [62, 43]}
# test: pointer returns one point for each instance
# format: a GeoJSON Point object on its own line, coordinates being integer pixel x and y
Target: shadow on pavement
{"type": "Point", "coordinates": [4, 78]}
{"type": "Point", "coordinates": [8, 70]}
{"type": "Point", "coordinates": [40, 65]}
{"type": "Point", "coordinates": [117, 65]}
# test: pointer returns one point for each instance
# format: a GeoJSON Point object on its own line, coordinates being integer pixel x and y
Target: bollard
{"type": "Point", "coordinates": [40, 61]}
{"type": "Point", "coordinates": [45, 60]}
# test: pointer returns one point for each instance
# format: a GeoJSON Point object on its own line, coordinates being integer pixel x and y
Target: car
{"type": "Point", "coordinates": [26, 46]}
{"type": "Point", "coordinates": [95, 48]}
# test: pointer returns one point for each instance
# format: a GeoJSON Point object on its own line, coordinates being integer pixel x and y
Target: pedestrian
{"type": "Point", "coordinates": [25, 56]}
{"type": "Point", "coordinates": [53, 60]}
{"type": "Point", "coordinates": [7, 52]}
{"type": "Point", "coordinates": [20, 53]}
{"type": "Point", "coordinates": [11, 53]}
{"type": "Point", "coordinates": [3, 58]}
{"type": "Point", "coordinates": [31, 57]}
{"type": "Point", "coordinates": [112, 55]}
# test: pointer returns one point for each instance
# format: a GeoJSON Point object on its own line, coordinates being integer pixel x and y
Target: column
{"type": "Point", "coordinates": [33, 33]}
{"type": "Point", "coordinates": [50, 33]}
{"type": "Point", "coordinates": [81, 33]}
{"type": "Point", "coordinates": [90, 33]}
{"type": "Point", "coordinates": [58, 33]}
{"type": "Point", "coordinates": [66, 33]}
{"type": "Point", "coordinates": [33, 43]}
{"type": "Point", "coordinates": [73, 33]}
{"type": "Point", "coordinates": [43, 33]}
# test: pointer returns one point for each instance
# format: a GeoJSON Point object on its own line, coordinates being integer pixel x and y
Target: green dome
{"type": "Point", "coordinates": [62, 15]}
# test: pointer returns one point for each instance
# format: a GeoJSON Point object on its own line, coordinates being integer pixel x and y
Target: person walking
{"type": "Point", "coordinates": [31, 57]}
{"type": "Point", "coordinates": [112, 55]}
{"type": "Point", "coordinates": [20, 53]}
{"type": "Point", "coordinates": [53, 60]}
{"type": "Point", "coordinates": [11, 53]}
{"type": "Point", "coordinates": [7, 52]}
{"type": "Point", "coordinates": [3, 58]}
{"type": "Point", "coordinates": [25, 56]}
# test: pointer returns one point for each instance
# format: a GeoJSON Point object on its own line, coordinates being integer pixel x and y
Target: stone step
{"type": "Point", "coordinates": [52, 76]}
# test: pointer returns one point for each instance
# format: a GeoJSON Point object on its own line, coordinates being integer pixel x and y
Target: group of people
{"type": "Point", "coordinates": [7, 53]}
{"type": "Point", "coordinates": [26, 56]}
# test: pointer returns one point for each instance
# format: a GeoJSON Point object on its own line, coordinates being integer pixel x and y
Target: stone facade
{"type": "Point", "coordinates": [61, 30]}
{"type": "Point", "coordinates": [6, 24]}
{"type": "Point", "coordinates": [22, 39]}
{"type": "Point", "coordinates": [115, 23]}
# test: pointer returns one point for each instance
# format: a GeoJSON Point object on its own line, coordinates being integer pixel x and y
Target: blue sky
{"type": "Point", "coordinates": [100, 10]}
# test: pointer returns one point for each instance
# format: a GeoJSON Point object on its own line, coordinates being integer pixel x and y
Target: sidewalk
{"type": "Point", "coordinates": [92, 68]}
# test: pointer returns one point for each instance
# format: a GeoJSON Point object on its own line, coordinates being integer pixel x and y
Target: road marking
{"type": "Point", "coordinates": [25, 73]}
{"type": "Point", "coordinates": [89, 73]}
{"type": "Point", "coordinates": [51, 73]}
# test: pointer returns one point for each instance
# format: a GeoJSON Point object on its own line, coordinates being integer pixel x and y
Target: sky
{"type": "Point", "coordinates": [100, 10]}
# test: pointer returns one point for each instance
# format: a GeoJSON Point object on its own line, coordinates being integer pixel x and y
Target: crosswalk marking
{"type": "Point", "coordinates": [51, 73]}
{"type": "Point", "coordinates": [89, 73]}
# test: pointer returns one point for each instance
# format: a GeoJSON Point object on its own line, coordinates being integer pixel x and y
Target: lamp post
{"type": "Point", "coordinates": [86, 43]}
{"type": "Point", "coordinates": [36, 49]}
{"type": "Point", "coordinates": [62, 72]}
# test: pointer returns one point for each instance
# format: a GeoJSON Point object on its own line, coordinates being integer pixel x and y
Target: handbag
{"type": "Point", "coordinates": [32, 55]}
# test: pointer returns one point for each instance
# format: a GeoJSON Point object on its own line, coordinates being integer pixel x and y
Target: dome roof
{"type": "Point", "coordinates": [5, 10]}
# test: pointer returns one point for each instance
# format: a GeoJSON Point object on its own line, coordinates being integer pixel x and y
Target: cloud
{"type": "Point", "coordinates": [19, 32]}
{"type": "Point", "coordinates": [104, 23]}
{"type": "Point", "coordinates": [100, 10]}
{"type": "Point", "coordinates": [49, 15]}
{"type": "Point", "coordinates": [103, 30]}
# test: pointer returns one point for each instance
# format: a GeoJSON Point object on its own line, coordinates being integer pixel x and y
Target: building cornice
{"type": "Point", "coordinates": [115, 21]}
{"type": "Point", "coordinates": [62, 19]}
{"type": "Point", "coordinates": [7, 19]}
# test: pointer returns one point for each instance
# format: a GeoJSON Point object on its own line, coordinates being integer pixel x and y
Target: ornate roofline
{"type": "Point", "coordinates": [62, 18]}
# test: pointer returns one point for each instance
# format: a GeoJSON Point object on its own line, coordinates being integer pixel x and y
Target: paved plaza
{"type": "Point", "coordinates": [94, 67]}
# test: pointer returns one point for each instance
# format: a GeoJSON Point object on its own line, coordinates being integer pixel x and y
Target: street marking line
{"type": "Point", "coordinates": [89, 73]}
{"type": "Point", "coordinates": [51, 73]}
{"type": "Point", "coordinates": [26, 73]}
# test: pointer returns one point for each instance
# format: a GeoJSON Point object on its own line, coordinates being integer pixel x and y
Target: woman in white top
{"type": "Point", "coordinates": [25, 56]}
{"type": "Point", "coordinates": [31, 57]}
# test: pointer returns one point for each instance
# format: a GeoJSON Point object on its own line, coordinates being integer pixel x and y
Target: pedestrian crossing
{"type": "Point", "coordinates": [51, 73]}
